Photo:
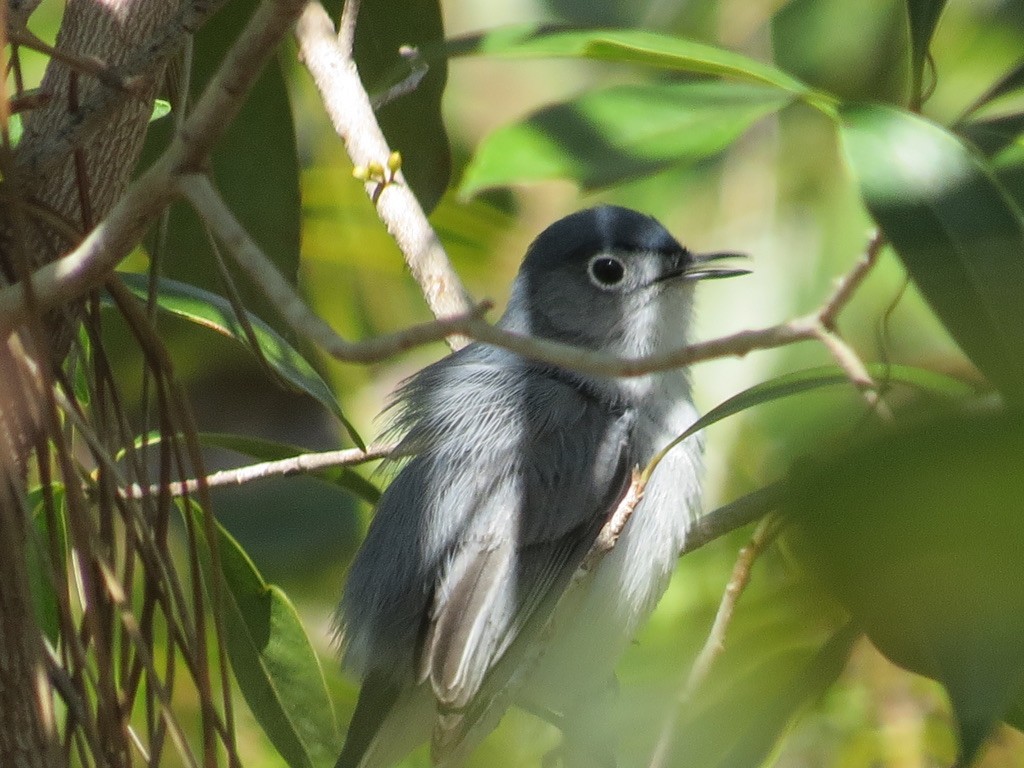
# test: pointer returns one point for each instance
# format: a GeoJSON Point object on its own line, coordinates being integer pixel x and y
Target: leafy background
{"type": "Point", "coordinates": [770, 127]}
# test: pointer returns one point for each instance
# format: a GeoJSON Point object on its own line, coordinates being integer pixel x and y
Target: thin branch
{"type": "Point", "coordinates": [293, 465]}
{"type": "Point", "coordinates": [89, 65]}
{"type": "Point", "coordinates": [347, 27]}
{"type": "Point", "coordinates": [715, 643]}
{"type": "Point", "coordinates": [88, 266]}
{"type": "Point", "coordinates": [348, 105]}
{"type": "Point", "coordinates": [851, 281]}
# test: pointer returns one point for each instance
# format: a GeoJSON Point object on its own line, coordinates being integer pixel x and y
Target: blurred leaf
{"type": "Point", "coordinates": [955, 228]}
{"type": "Point", "coordinates": [254, 165]}
{"type": "Point", "coordinates": [161, 108]}
{"type": "Point", "coordinates": [919, 533]}
{"type": "Point", "coordinates": [269, 450]}
{"type": "Point", "coordinates": [411, 122]}
{"type": "Point", "coordinates": [216, 313]}
{"type": "Point", "coordinates": [1009, 169]}
{"type": "Point", "coordinates": [272, 659]}
{"type": "Point", "coordinates": [923, 16]}
{"type": "Point", "coordinates": [627, 46]}
{"type": "Point", "coordinates": [607, 135]}
{"type": "Point", "coordinates": [1007, 84]}
{"type": "Point", "coordinates": [794, 383]}
{"type": "Point", "coordinates": [994, 134]}
{"type": "Point", "coordinates": [784, 645]}
{"type": "Point", "coordinates": [40, 567]}
{"type": "Point", "coordinates": [831, 375]}
{"type": "Point", "coordinates": [852, 51]}
{"type": "Point", "coordinates": [806, 685]}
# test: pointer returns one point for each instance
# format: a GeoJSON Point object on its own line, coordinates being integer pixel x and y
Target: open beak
{"type": "Point", "coordinates": [703, 266]}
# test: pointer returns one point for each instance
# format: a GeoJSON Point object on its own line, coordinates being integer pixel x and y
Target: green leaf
{"type": "Point", "coordinates": [954, 226]}
{"type": "Point", "coordinates": [923, 16]}
{"type": "Point", "coordinates": [412, 121]}
{"type": "Point", "coordinates": [161, 108]}
{"type": "Point", "coordinates": [1007, 84]}
{"type": "Point", "coordinates": [211, 311]}
{"type": "Point", "coordinates": [627, 46]}
{"type": "Point", "coordinates": [254, 164]}
{"type": "Point", "coordinates": [994, 134]}
{"type": "Point", "coordinates": [269, 450]}
{"type": "Point", "coordinates": [789, 384]}
{"type": "Point", "coordinates": [605, 136]}
{"type": "Point", "coordinates": [273, 660]}
{"type": "Point", "coordinates": [40, 567]}
{"type": "Point", "coordinates": [919, 533]}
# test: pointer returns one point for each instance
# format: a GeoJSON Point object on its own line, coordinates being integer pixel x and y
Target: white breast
{"type": "Point", "coordinates": [594, 626]}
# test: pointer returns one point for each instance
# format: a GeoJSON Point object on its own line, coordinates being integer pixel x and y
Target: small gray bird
{"type": "Point", "coordinates": [453, 608]}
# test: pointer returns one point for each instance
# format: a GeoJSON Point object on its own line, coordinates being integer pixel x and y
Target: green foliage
{"type": "Point", "coordinates": [279, 358]}
{"type": "Point", "coordinates": [272, 659]}
{"type": "Point", "coordinates": [954, 227]}
{"type": "Point", "coordinates": [921, 539]}
{"type": "Point", "coordinates": [916, 530]}
{"type": "Point", "coordinates": [610, 135]}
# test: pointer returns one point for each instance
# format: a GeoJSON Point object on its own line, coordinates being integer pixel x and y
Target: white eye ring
{"type": "Point", "coordinates": [605, 271]}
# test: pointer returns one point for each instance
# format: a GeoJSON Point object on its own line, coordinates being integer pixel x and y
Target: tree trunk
{"type": "Point", "coordinates": [75, 185]}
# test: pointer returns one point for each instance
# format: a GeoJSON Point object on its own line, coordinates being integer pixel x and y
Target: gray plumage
{"type": "Point", "coordinates": [452, 610]}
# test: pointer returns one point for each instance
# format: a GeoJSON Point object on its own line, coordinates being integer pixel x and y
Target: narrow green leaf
{"type": "Point", "coordinates": [994, 134]}
{"type": "Point", "coordinates": [40, 565]}
{"type": "Point", "coordinates": [269, 450]}
{"type": "Point", "coordinates": [923, 16]}
{"type": "Point", "coordinates": [956, 229]}
{"type": "Point", "coordinates": [216, 313]}
{"type": "Point", "coordinates": [273, 660]}
{"type": "Point", "coordinates": [1007, 84]}
{"type": "Point", "coordinates": [794, 383]}
{"type": "Point", "coordinates": [608, 135]}
{"type": "Point", "coordinates": [789, 384]}
{"type": "Point", "coordinates": [628, 46]}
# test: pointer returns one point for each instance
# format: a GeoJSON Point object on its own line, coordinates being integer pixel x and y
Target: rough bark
{"type": "Point", "coordinates": [47, 205]}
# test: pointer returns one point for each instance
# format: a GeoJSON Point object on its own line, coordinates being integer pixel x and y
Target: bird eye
{"type": "Point", "coordinates": [606, 272]}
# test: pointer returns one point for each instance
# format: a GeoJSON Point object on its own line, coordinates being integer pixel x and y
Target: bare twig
{"type": "Point", "coordinates": [715, 643]}
{"type": "Point", "coordinates": [293, 465]}
{"type": "Point", "coordinates": [89, 65]}
{"type": "Point", "coordinates": [348, 105]}
{"type": "Point", "coordinates": [851, 281]}
{"type": "Point", "coordinates": [347, 27]}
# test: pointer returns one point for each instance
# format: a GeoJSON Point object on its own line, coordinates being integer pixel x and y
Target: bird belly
{"type": "Point", "coordinates": [602, 613]}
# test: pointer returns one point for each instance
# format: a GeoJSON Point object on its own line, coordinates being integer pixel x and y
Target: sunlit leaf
{"type": "Point", "coordinates": [626, 46]}
{"type": "Point", "coordinates": [161, 108]}
{"type": "Point", "coordinates": [607, 135]}
{"type": "Point", "coordinates": [216, 313]}
{"type": "Point", "coordinates": [953, 225]}
{"type": "Point", "coordinates": [272, 659]}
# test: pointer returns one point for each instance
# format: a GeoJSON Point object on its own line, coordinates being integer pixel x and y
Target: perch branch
{"type": "Point", "coordinates": [329, 61]}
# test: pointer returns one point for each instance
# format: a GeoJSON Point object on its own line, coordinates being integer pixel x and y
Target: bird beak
{"type": "Point", "coordinates": [703, 268]}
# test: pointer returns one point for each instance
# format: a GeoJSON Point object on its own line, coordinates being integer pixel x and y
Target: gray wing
{"type": "Point", "coordinates": [472, 543]}
{"type": "Point", "coordinates": [567, 471]}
